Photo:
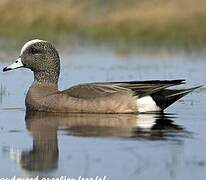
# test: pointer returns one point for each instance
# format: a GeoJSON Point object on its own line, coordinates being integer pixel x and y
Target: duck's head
{"type": "Point", "coordinates": [39, 56]}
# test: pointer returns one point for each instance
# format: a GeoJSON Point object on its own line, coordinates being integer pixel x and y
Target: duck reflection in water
{"type": "Point", "coordinates": [44, 126]}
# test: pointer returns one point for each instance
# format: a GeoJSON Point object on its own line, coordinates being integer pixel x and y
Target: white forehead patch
{"type": "Point", "coordinates": [30, 43]}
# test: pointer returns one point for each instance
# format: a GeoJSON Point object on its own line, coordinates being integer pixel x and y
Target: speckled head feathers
{"type": "Point", "coordinates": [42, 58]}
{"type": "Point", "coordinates": [39, 55]}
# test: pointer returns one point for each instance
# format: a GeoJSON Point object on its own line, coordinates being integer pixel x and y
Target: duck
{"type": "Point", "coordinates": [43, 59]}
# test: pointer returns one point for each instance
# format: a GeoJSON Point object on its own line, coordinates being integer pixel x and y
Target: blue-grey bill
{"type": "Point", "coordinates": [17, 64]}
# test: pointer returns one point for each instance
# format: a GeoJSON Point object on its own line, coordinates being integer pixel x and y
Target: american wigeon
{"type": "Point", "coordinates": [108, 97]}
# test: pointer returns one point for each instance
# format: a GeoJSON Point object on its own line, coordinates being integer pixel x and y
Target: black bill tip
{"type": "Point", "coordinates": [6, 69]}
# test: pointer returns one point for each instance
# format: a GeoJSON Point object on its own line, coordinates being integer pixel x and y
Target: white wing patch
{"type": "Point", "coordinates": [30, 43]}
{"type": "Point", "coordinates": [147, 104]}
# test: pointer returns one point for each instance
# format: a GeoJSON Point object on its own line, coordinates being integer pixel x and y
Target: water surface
{"type": "Point", "coordinates": [153, 146]}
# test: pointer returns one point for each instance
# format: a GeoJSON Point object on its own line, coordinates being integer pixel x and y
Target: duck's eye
{"type": "Point", "coordinates": [35, 51]}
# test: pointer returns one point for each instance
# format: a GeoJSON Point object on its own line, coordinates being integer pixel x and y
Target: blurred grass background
{"type": "Point", "coordinates": [178, 22]}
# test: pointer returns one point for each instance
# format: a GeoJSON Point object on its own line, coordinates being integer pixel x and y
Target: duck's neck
{"type": "Point", "coordinates": [47, 78]}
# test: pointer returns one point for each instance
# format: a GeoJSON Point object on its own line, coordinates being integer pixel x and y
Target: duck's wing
{"type": "Point", "coordinates": [144, 88]}
{"type": "Point", "coordinates": [135, 88]}
{"type": "Point", "coordinates": [93, 90]}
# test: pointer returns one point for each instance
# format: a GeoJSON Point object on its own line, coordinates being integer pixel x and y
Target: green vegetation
{"type": "Point", "coordinates": [178, 22]}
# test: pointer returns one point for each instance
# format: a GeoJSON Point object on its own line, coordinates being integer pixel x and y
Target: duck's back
{"type": "Point", "coordinates": [111, 97]}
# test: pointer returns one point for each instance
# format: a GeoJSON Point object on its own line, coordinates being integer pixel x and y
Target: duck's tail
{"type": "Point", "coordinates": [167, 97]}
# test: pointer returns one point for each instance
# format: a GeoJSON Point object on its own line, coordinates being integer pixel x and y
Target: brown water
{"type": "Point", "coordinates": [154, 146]}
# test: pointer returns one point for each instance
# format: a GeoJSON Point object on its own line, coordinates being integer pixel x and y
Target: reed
{"type": "Point", "coordinates": [154, 21]}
